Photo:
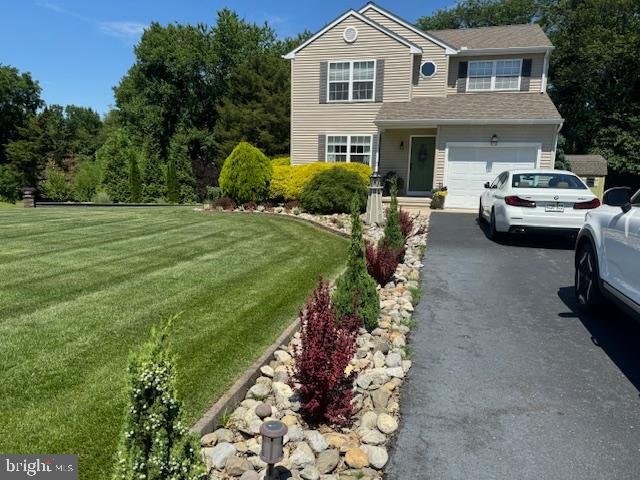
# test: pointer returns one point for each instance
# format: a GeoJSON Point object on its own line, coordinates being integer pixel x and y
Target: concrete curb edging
{"type": "Point", "coordinates": [235, 394]}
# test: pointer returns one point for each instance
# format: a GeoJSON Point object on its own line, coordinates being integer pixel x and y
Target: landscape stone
{"type": "Point", "coordinates": [263, 410]}
{"type": "Point", "coordinates": [396, 372]}
{"type": "Point", "coordinates": [236, 466]}
{"type": "Point", "coordinates": [369, 419]}
{"type": "Point", "coordinates": [289, 420]}
{"type": "Point", "coordinates": [295, 433]}
{"type": "Point", "coordinates": [315, 440]}
{"type": "Point", "coordinates": [377, 456]}
{"type": "Point", "coordinates": [282, 356]}
{"type": "Point", "coordinates": [310, 473]}
{"type": "Point", "coordinates": [250, 475]}
{"type": "Point", "coordinates": [267, 371]}
{"type": "Point", "coordinates": [371, 436]}
{"type": "Point", "coordinates": [327, 461]}
{"type": "Point", "coordinates": [209, 440]}
{"type": "Point", "coordinates": [393, 359]}
{"type": "Point", "coordinates": [380, 398]}
{"type": "Point", "coordinates": [356, 458]}
{"type": "Point", "coordinates": [387, 424]}
{"type": "Point", "coordinates": [220, 454]}
{"type": "Point", "coordinates": [258, 392]}
{"type": "Point", "coordinates": [224, 435]}
{"type": "Point", "coordinates": [302, 456]}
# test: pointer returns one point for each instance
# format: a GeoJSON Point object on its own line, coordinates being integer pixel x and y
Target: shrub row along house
{"type": "Point", "coordinates": [449, 107]}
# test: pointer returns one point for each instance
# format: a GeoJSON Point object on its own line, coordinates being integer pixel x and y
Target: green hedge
{"type": "Point", "coordinates": [332, 191]}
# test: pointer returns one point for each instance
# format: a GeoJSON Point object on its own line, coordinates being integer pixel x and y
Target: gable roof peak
{"type": "Point", "coordinates": [414, 49]}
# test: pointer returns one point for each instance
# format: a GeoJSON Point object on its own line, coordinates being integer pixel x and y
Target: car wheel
{"type": "Point", "coordinates": [493, 233]}
{"type": "Point", "coordinates": [480, 217]}
{"type": "Point", "coordinates": [587, 278]}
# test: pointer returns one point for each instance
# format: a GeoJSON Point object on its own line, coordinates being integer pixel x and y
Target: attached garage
{"type": "Point", "coordinates": [469, 165]}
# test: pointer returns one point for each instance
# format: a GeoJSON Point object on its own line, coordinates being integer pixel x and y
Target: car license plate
{"type": "Point", "coordinates": [554, 207]}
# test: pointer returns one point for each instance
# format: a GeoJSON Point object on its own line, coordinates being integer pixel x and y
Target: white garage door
{"type": "Point", "coordinates": [469, 167]}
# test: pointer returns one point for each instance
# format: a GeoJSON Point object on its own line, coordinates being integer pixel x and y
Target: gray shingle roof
{"type": "Point", "coordinates": [524, 107]}
{"type": "Point", "coordinates": [588, 165]}
{"type": "Point", "coordinates": [508, 36]}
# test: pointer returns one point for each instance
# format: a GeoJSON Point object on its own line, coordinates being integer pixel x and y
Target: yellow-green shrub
{"type": "Point", "coordinates": [280, 161]}
{"type": "Point", "coordinates": [287, 181]}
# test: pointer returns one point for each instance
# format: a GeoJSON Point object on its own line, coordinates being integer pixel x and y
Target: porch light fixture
{"type": "Point", "coordinates": [494, 140]}
{"type": "Point", "coordinates": [401, 144]}
{"type": "Point", "coordinates": [273, 433]}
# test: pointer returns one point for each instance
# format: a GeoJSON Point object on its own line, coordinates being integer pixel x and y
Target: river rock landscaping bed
{"type": "Point", "coordinates": [380, 364]}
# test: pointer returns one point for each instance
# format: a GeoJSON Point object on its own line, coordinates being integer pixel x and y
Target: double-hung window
{"type": "Point", "coordinates": [488, 75]}
{"type": "Point", "coordinates": [349, 148]}
{"type": "Point", "coordinates": [351, 81]}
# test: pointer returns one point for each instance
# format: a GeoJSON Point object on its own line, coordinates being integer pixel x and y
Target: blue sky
{"type": "Point", "coordinates": [78, 50]}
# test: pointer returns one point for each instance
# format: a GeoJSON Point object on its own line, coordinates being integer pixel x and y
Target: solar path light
{"type": "Point", "coordinates": [272, 452]}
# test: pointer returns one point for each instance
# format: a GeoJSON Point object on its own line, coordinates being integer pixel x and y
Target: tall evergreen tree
{"type": "Point", "coordinates": [173, 191]}
{"type": "Point", "coordinates": [114, 158]}
{"type": "Point", "coordinates": [135, 183]}
{"type": "Point", "coordinates": [153, 176]}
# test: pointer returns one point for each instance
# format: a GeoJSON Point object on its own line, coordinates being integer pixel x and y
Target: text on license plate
{"type": "Point", "coordinates": [554, 207]}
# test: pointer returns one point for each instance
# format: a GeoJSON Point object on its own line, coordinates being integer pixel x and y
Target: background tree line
{"type": "Point", "coordinates": [192, 94]}
{"type": "Point", "coordinates": [195, 91]}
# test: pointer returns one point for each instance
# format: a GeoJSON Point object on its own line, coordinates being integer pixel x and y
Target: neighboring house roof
{"type": "Point", "coordinates": [414, 49]}
{"type": "Point", "coordinates": [479, 108]}
{"type": "Point", "coordinates": [372, 6]}
{"type": "Point", "coordinates": [503, 37]}
{"type": "Point", "coordinates": [588, 165]}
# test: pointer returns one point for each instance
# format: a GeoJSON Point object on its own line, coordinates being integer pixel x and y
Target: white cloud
{"type": "Point", "coordinates": [122, 29]}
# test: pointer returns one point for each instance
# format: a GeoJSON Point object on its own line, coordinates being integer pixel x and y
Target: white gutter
{"type": "Point", "coordinates": [423, 123]}
{"type": "Point", "coordinates": [464, 51]}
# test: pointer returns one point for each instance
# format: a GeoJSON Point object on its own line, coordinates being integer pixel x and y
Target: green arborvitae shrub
{"type": "Point", "coordinates": [246, 174]}
{"type": "Point", "coordinates": [55, 184]}
{"type": "Point", "coordinates": [114, 158]}
{"type": "Point", "coordinates": [10, 183]}
{"type": "Point", "coordinates": [101, 197]}
{"type": "Point", "coordinates": [135, 182]}
{"type": "Point", "coordinates": [179, 152]}
{"type": "Point", "coordinates": [356, 293]}
{"type": "Point", "coordinates": [173, 193]}
{"type": "Point", "coordinates": [86, 181]}
{"type": "Point", "coordinates": [393, 237]}
{"type": "Point", "coordinates": [332, 191]}
{"type": "Point", "coordinates": [155, 443]}
{"type": "Point", "coordinates": [153, 176]}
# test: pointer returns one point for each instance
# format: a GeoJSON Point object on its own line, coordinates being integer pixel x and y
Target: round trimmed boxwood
{"type": "Point", "coordinates": [246, 174]}
{"type": "Point", "coordinates": [332, 191]}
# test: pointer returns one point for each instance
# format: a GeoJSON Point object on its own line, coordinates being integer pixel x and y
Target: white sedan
{"type": "Point", "coordinates": [522, 201]}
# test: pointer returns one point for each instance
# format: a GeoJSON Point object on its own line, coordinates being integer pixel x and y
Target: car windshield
{"type": "Point", "coordinates": [635, 200]}
{"type": "Point", "coordinates": [547, 180]}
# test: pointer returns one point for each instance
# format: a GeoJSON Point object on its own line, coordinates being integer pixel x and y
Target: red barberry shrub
{"type": "Point", "coordinates": [290, 205]}
{"type": "Point", "coordinates": [225, 202]}
{"type": "Point", "coordinates": [381, 262]}
{"type": "Point", "coordinates": [249, 206]}
{"type": "Point", "coordinates": [325, 350]}
{"type": "Point", "coordinates": [406, 224]}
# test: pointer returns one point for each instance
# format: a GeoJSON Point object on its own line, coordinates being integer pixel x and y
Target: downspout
{"type": "Point", "coordinates": [545, 72]}
{"type": "Point", "coordinates": [377, 169]}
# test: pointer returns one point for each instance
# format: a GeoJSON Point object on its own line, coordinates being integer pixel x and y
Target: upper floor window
{"type": "Point", "coordinates": [351, 81]}
{"type": "Point", "coordinates": [487, 75]}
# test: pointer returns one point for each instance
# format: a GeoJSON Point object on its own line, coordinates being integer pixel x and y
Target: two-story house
{"type": "Point", "coordinates": [447, 107]}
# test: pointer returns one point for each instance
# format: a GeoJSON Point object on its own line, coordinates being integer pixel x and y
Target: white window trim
{"type": "Point", "coordinates": [493, 88]}
{"type": "Point", "coordinates": [435, 71]}
{"type": "Point", "coordinates": [351, 62]}
{"type": "Point", "coordinates": [348, 135]}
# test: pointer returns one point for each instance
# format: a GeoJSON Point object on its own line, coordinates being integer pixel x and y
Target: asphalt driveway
{"type": "Point", "coordinates": [508, 380]}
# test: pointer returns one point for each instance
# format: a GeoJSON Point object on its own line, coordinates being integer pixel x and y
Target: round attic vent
{"type": "Point", "coordinates": [350, 34]}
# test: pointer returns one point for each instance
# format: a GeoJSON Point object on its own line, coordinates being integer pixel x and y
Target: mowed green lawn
{"type": "Point", "coordinates": [81, 288]}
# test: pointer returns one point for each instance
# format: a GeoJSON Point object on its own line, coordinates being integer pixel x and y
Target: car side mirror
{"type": "Point", "coordinates": [618, 197]}
{"type": "Point", "coordinates": [487, 185]}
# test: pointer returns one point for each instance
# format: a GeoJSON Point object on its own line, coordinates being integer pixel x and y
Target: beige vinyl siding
{"type": "Point", "coordinates": [309, 118]}
{"type": "Point", "coordinates": [537, 66]}
{"type": "Point", "coordinates": [394, 159]}
{"type": "Point", "coordinates": [435, 86]}
{"type": "Point", "coordinates": [544, 134]}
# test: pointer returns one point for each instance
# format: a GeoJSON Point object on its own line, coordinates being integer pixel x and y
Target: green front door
{"type": "Point", "coordinates": [423, 153]}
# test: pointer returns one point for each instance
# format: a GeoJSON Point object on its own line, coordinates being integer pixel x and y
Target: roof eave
{"type": "Point", "coordinates": [500, 51]}
{"type": "Point", "coordinates": [413, 48]}
{"type": "Point", "coordinates": [466, 121]}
